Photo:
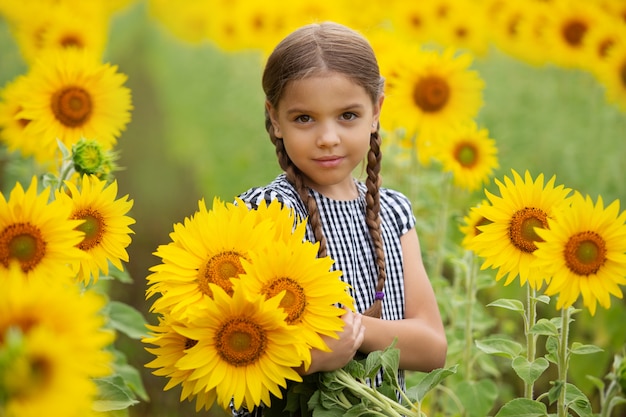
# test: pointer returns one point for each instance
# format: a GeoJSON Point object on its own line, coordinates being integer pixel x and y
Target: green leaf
{"type": "Point", "coordinates": [576, 400]}
{"type": "Point", "coordinates": [580, 349]}
{"type": "Point", "coordinates": [428, 382]}
{"type": "Point", "coordinates": [509, 304]}
{"type": "Point", "coordinates": [478, 397]}
{"type": "Point", "coordinates": [500, 346]}
{"type": "Point", "coordinates": [545, 327]}
{"type": "Point", "coordinates": [523, 407]}
{"type": "Point", "coordinates": [127, 320]}
{"type": "Point", "coordinates": [113, 394]}
{"type": "Point", "coordinates": [529, 371]}
{"type": "Point", "coordinates": [543, 299]}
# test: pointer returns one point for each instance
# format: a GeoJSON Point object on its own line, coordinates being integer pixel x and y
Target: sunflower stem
{"type": "Point", "coordinates": [562, 362]}
{"type": "Point", "coordinates": [531, 338]}
{"type": "Point", "coordinates": [470, 291]}
{"type": "Point", "coordinates": [442, 224]}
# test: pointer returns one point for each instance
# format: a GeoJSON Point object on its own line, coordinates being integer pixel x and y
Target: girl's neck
{"type": "Point", "coordinates": [346, 191]}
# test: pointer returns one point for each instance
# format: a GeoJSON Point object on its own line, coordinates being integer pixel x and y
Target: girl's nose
{"type": "Point", "coordinates": [328, 135]}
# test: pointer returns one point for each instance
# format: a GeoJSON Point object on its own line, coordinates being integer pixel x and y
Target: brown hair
{"type": "Point", "coordinates": [311, 50]}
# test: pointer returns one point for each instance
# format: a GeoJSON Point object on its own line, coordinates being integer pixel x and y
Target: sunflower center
{"type": "Point", "coordinates": [71, 41]}
{"type": "Point", "coordinates": [585, 253]}
{"type": "Point", "coordinates": [71, 106]}
{"type": "Point", "coordinates": [573, 32]}
{"type": "Point", "coordinates": [622, 74]}
{"type": "Point", "coordinates": [24, 243]}
{"type": "Point", "coordinates": [466, 154]}
{"type": "Point", "coordinates": [29, 376]}
{"type": "Point", "coordinates": [294, 300]}
{"type": "Point", "coordinates": [93, 227]}
{"type": "Point", "coordinates": [240, 341]}
{"type": "Point", "coordinates": [219, 270]}
{"type": "Point", "coordinates": [522, 228]}
{"type": "Point", "coordinates": [431, 94]}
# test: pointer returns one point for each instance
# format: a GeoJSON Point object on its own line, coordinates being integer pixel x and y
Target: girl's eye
{"type": "Point", "coordinates": [303, 118]}
{"type": "Point", "coordinates": [348, 116]}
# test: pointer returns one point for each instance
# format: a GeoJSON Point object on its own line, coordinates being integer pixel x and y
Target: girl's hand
{"type": "Point", "coordinates": [342, 349]}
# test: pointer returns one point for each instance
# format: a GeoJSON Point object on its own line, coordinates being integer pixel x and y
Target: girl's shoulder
{"type": "Point", "coordinates": [394, 198]}
{"type": "Point", "coordinates": [397, 207]}
{"type": "Point", "coordinates": [279, 189]}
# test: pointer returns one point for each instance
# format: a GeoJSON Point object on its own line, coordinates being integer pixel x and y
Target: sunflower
{"type": "Point", "coordinates": [105, 225]}
{"type": "Point", "coordinates": [584, 251]}
{"type": "Point", "coordinates": [170, 347]}
{"type": "Point", "coordinates": [207, 248]}
{"type": "Point", "coordinates": [42, 375]}
{"type": "Point", "coordinates": [287, 226]}
{"type": "Point", "coordinates": [517, 28]}
{"type": "Point", "coordinates": [471, 225]}
{"type": "Point", "coordinates": [508, 242]}
{"type": "Point", "coordinates": [38, 234]}
{"type": "Point", "coordinates": [54, 337]}
{"type": "Point", "coordinates": [59, 26]}
{"type": "Point", "coordinates": [432, 91]}
{"type": "Point", "coordinates": [311, 290]}
{"type": "Point", "coordinates": [12, 128]}
{"type": "Point", "coordinates": [245, 350]}
{"type": "Point", "coordinates": [469, 153]}
{"type": "Point", "coordinates": [71, 96]}
{"type": "Point", "coordinates": [567, 26]}
{"type": "Point", "coordinates": [612, 74]}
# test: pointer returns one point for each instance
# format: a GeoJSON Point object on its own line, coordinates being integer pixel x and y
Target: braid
{"type": "Point", "coordinates": [372, 218]}
{"type": "Point", "coordinates": [295, 177]}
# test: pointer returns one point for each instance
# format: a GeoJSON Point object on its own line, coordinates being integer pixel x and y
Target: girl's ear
{"type": "Point", "coordinates": [271, 112]}
{"type": "Point", "coordinates": [376, 114]}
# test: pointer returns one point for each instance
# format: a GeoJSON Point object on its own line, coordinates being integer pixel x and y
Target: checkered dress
{"type": "Point", "coordinates": [349, 242]}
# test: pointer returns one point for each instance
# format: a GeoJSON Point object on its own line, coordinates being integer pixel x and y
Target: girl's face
{"type": "Point", "coordinates": [325, 122]}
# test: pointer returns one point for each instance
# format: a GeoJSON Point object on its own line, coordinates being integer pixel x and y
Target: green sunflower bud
{"type": "Point", "coordinates": [89, 157]}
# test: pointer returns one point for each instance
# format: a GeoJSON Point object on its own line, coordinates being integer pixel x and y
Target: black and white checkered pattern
{"type": "Point", "coordinates": [349, 242]}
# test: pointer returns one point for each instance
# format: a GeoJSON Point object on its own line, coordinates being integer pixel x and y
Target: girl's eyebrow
{"type": "Point", "coordinates": [349, 107]}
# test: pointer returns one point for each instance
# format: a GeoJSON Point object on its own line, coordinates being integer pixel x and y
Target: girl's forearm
{"type": "Point", "coordinates": [422, 346]}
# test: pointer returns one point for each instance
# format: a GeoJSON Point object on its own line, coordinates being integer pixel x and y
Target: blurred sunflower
{"type": "Point", "coordinates": [53, 343]}
{"type": "Point", "coordinates": [612, 74]}
{"type": "Point", "coordinates": [105, 224]}
{"type": "Point", "coordinates": [412, 19]}
{"type": "Point", "coordinates": [569, 22]}
{"type": "Point", "coordinates": [469, 153]}
{"type": "Point", "coordinates": [435, 91]}
{"type": "Point", "coordinates": [452, 27]}
{"type": "Point", "coordinates": [38, 234]}
{"type": "Point", "coordinates": [584, 251]}
{"type": "Point", "coordinates": [53, 26]}
{"type": "Point", "coordinates": [517, 28]}
{"type": "Point", "coordinates": [245, 349]}
{"type": "Point", "coordinates": [206, 249]}
{"type": "Point", "coordinates": [508, 242]}
{"type": "Point", "coordinates": [41, 374]}
{"type": "Point", "coordinates": [12, 128]}
{"type": "Point", "coordinates": [311, 290]}
{"type": "Point", "coordinates": [170, 346]}
{"type": "Point", "coordinates": [71, 96]}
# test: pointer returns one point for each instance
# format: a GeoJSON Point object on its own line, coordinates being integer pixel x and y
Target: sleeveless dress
{"type": "Point", "coordinates": [349, 243]}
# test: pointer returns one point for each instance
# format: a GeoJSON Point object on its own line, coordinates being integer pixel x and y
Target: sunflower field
{"type": "Point", "coordinates": [503, 122]}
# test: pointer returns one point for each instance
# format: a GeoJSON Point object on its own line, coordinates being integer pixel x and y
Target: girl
{"type": "Point", "coordinates": [324, 95]}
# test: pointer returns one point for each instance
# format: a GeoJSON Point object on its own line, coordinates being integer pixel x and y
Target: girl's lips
{"type": "Point", "coordinates": [329, 161]}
